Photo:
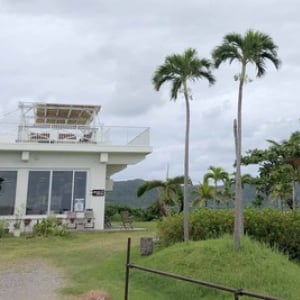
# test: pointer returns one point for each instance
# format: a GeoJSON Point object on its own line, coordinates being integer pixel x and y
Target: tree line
{"type": "Point", "coordinates": [278, 175]}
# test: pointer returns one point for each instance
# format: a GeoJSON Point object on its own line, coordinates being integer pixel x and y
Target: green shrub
{"type": "Point", "coordinates": [208, 223]}
{"type": "Point", "coordinates": [151, 213]}
{"type": "Point", "coordinates": [170, 230]}
{"type": "Point", "coordinates": [281, 231]}
{"type": "Point", "coordinates": [270, 226]}
{"type": "Point", "coordinates": [139, 214]}
{"type": "Point", "coordinates": [50, 226]}
{"type": "Point", "coordinates": [111, 210]}
{"type": "Point", "coordinates": [203, 224]}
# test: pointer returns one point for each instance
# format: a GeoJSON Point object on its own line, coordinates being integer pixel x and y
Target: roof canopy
{"type": "Point", "coordinates": [50, 113]}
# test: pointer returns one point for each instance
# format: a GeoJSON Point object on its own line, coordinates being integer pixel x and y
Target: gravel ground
{"type": "Point", "coordinates": [30, 280]}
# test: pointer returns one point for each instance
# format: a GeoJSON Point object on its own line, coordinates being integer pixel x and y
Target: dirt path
{"type": "Point", "coordinates": [30, 280]}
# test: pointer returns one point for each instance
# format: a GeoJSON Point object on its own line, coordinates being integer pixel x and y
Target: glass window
{"type": "Point", "coordinates": [8, 184]}
{"type": "Point", "coordinates": [38, 192]}
{"type": "Point", "coordinates": [65, 187]}
{"type": "Point", "coordinates": [79, 191]}
{"type": "Point", "coordinates": [61, 195]}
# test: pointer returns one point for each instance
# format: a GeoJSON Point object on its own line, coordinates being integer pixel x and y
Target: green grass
{"type": "Point", "coordinates": [96, 260]}
{"type": "Point", "coordinates": [255, 268]}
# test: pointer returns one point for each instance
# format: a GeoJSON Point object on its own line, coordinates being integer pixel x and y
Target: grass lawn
{"type": "Point", "coordinates": [96, 260]}
{"type": "Point", "coordinates": [91, 260]}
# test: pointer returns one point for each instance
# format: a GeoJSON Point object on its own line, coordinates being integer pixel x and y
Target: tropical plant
{"type": "Point", "coordinates": [282, 192]}
{"type": "Point", "coordinates": [268, 161]}
{"type": "Point", "coordinates": [278, 168]}
{"type": "Point", "coordinates": [203, 193]}
{"type": "Point", "coordinates": [50, 226]}
{"type": "Point", "coordinates": [169, 193]}
{"type": "Point", "coordinates": [252, 48]}
{"type": "Point", "coordinates": [178, 70]}
{"type": "Point", "coordinates": [216, 174]}
{"type": "Point", "coordinates": [228, 193]}
{"type": "Point", "coordinates": [289, 151]}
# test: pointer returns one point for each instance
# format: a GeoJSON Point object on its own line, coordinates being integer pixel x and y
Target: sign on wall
{"type": "Point", "coordinates": [78, 205]}
{"type": "Point", "coordinates": [98, 193]}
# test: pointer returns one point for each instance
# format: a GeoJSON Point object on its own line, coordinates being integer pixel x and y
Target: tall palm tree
{"type": "Point", "coordinates": [216, 174]}
{"type": "Point", "coordinates": [178, 70]}
{"type": "Point", "coordinates": [170, 192]}
{"type": "Point", "coordinates": [203, 193]}
{"type": "Point", "coordinates": [252, 48]}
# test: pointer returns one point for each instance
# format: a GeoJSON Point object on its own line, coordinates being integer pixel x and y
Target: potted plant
{"type": "Point", "coordinates": [27, 221]}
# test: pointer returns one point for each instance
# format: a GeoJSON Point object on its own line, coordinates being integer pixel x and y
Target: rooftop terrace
{"type": "Point", "coordinates": [68, 124]}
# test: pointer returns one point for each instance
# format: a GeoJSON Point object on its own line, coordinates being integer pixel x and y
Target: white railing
{"type": "Point", "coordinates": [75, 134]}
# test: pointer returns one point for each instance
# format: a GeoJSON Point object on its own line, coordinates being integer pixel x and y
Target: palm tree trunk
{"type": "Point", "coordinates": [186, 166]}
{"type": "Point", "coordinates": [238, 220]}
{"type": "Point", "coordinates": [216, 195]}
{"type": "Point", "coordinates": [294, 194]}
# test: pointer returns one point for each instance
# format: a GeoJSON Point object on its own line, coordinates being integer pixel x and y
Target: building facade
{"type": "Point", "coordinates": [60, 160]}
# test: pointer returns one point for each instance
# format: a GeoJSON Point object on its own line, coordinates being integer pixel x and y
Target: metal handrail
{"type": "Point", "coordinates": [12, 133]}
{"type": "Point", "coordinates": [236, 292]}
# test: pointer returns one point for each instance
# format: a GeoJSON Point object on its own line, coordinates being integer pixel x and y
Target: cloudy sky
{"type": "Point", "coordinates": [105, 53]}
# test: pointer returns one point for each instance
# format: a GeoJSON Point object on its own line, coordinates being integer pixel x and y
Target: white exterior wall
{"type": "Point", "coordinates": [90, 162]}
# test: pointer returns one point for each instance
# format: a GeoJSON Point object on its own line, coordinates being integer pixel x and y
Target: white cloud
{"type": "Point", "coordinates": [105, 53]}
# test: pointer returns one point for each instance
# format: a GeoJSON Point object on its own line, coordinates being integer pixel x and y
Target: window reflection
{"type": "Point", "coordinates": [64, 187]}
{"type": "Point", "coordinates": [38, 192]}
{"type": "Point", "coordinates": [8, 183]}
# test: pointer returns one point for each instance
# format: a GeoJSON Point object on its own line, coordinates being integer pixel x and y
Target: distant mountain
{"type": "Point", "coordinates": [124, 193]}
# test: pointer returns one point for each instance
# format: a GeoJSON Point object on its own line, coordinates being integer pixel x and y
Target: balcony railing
{"type": "Point", "coordinates": [75, 134]}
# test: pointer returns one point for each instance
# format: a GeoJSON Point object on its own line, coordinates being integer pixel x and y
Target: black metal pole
{"type": "Point", "coordinates": [127, 269]}
{"type": "Point", "coordinates": [237, 294]}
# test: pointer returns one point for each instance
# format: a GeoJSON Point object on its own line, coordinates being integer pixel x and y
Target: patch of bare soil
{"type": "Point", "coordinates": [30, 280]}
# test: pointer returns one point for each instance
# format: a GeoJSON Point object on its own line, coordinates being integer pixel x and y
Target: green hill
{"type": "Point", "coordinates": [254, 267]}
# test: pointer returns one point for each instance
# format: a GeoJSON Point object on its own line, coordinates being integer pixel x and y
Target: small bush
{"type": "Point", "coordinates": [50, 226]}
{"type": "Point", "coordinates": [170, 230]}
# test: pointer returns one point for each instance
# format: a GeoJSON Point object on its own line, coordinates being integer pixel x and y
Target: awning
{"type": "Point", "coordinates": [49, 113]}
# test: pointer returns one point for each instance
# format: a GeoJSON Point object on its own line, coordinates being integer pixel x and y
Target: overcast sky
{"type": "Point", "coordinates": [105, 53]}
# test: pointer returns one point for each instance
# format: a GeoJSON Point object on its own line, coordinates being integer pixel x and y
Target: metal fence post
{"type": "Point", "coordinates": [127, 269]}
{"type": "Point", "coordinates": [237, 294]}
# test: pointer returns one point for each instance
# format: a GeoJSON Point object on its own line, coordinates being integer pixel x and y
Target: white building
{"type": "Point", "coordinates": [59, 159]}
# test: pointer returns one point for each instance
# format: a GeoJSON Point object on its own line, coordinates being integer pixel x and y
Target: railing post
{"type": "Point", "coordinates": [127, 269]}
{"type": "Point", "coordinates": [237, 294]}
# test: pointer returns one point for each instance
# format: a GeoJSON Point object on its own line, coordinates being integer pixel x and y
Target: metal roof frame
{"type": "Point", "coordinates": [56, 113]}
